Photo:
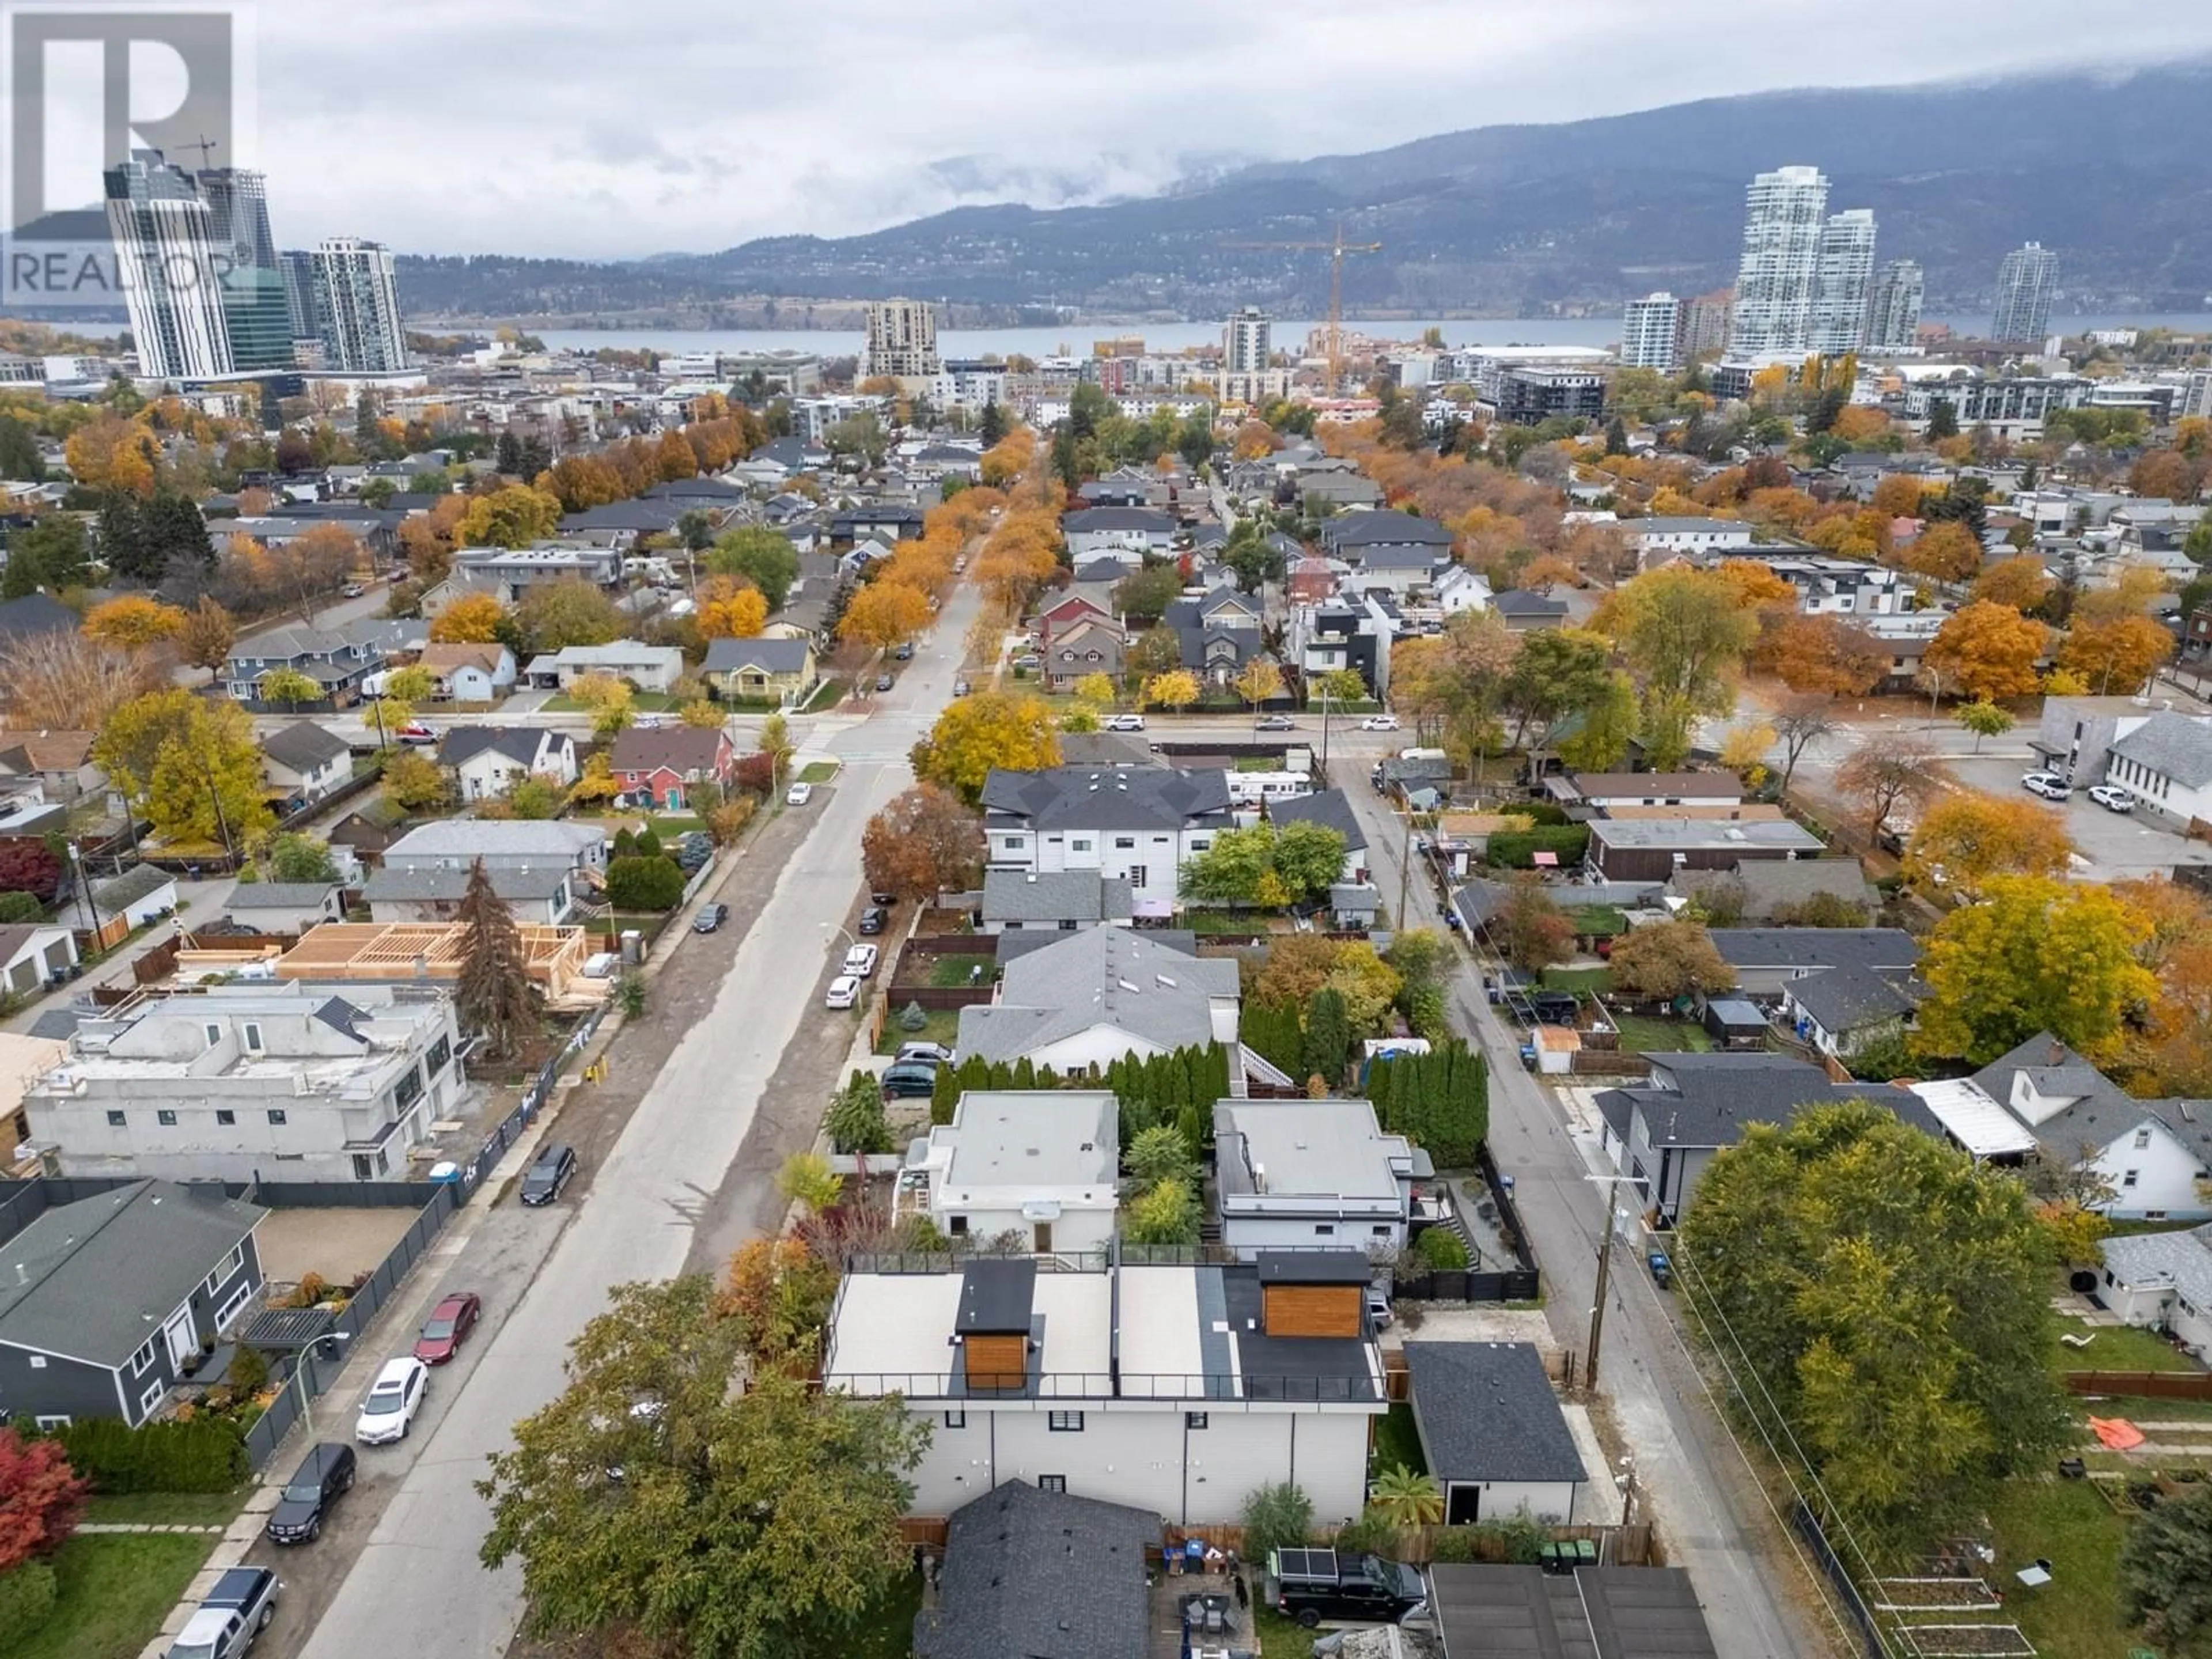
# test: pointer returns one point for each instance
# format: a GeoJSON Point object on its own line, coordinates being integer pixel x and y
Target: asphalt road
{"type": "Point", "coordinates": [1688, 1472]}
{"type": "Point", "coordinates": [417, 1588]}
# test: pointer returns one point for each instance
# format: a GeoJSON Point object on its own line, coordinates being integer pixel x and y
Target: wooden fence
{"type": "Point", "coordinates": [2145, 1385]}
{"type": "Point", "coordinates": [939, 996]}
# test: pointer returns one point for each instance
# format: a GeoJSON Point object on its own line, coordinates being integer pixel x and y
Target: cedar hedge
{"type": "Point", "coordinates": [1514, 849]}
{"type": "Point", "coordinates": [204, 1455]}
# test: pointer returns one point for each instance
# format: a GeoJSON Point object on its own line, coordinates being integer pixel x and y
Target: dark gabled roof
{"type": "Point", "coordinates": [1713, 1096]}
{"type": "Point", "coordinates": [35, 613]}
{"type": "Point", "coordinates": [639, 514]}
{"type": "Point", "coordinates": [1330, 808]}
{"type": "Point", "coordinates": [1486, 1412]}
{"type": "Point", "coordinates": [1891, 948]}
{"type": "Point", "coordinates": [997, 1295]}
{"type": "Point", "coordinates": [769, 654]}
{"type": "Point", "coordinates": [1146, 518]}
{"type": "Point", "coordinates": [133, 884]}
{"type": "Point", "coordinates": [93, 1279]}
{"type": "Point", "coordinates": [1371, 529]}
{"type": "Point", "coordinates": [1039, 1575]}
{"type": "Point", "coordinates": [1109, 798]}
{"type": "Point", "coordinates": [675, 748]}
{"type": "Point", "coordinates": [302, 745]}
{"type": "Point", "coordinates": [1520, 601]}
{"type": "Point", "coordinates": [1081, 895]}
{"type": "Point", "coordinates": [1313, 1266]}
{"type": "Point", "coordinates": [2171, 746]}
{"type": "Point", "coordinates": [519, 744]}
{"type": "Point", "coordinates": [1851, 998]}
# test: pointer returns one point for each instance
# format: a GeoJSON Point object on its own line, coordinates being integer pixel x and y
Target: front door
{"type": "Point", "coordinates": [1044, 1237]}
{"type": "Point", "coordinates": [179, 1336]}
{"type": "Point", "coordinates": [1463, 1505]}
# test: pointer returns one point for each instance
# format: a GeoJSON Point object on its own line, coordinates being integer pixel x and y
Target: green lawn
{"type": "Point", "coordinates": [951, 973]}
{"type": "Point", "coordinates": [2116, 1348]}
{"type": "Point", "coordinates": [115, 1589]}
{"type": "Point", "coordinates": [828, 695]}
{"type": "Point", "coordinates": [1598, 920]}
{"type": "Point", "coordinates": [646, 702]}
{"type": "Point", "coordinates": [1398, 1442]}
{"type": "Point", "coordinates": [887, 1630]}
{"type": "Point", "coordinates": [1578, 979]}
{"type": "Point", "coordinates": [2068, 1524]}
{"type": "Point", "coordinates": [1641, 1035]}
{"type": "Point", "coordinates": [940, 1025]}
{"type": "Point", "coordinates": [818, 772]}
{"type": "Point", "coordinates": [1279, 1638]}
{"type": "Point", "coordinates": [190, 1508]}
{"type": "Point", "coordinates": [1203, 922]}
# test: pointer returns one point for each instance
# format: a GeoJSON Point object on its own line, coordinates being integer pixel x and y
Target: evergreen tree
{"type": "Point", "coordinates": [1329, 1036]}
{"type": "Point", "coordinates": [993, 426]}
{"type": "Point", "coordinates": [1942, 421]}
{"type": "Point", "coordinates": [493, 996]}
{"type": "Point", "coordinates": [122, 541]}
{"type": "Point", "coordinates": [175, 536]}
{"type": "Point", "coordinates": [1616, 437]}
{"type": "Point", "coordinates": [507, 455]}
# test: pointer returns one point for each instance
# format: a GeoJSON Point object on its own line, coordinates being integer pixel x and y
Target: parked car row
{"type": "Point", "coordinates": [2051, 786]}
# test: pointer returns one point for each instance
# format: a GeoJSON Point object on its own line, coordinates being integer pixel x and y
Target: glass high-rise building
{"type": "Point", "coordinates": [1785, 215]}
{"type": "Point", "coordinates": [2024, 283]}
{"type": "Point", "coordinates": [1246, 343]}
{"type": "Point", "coordinates": [166, 250]}
{"type": "Point", "coordinates": [1893, 312]}
{"type": "Point", "coordinates": [1651, 333]}
{"type": "Point", "coordinates": [357, 302]}
{"type": "Point", "coordinates": [1844, 274]}
{"type": "Point", "coordinates": [253, 303]}
{"type": "Point", "coordinates": [298, 266]}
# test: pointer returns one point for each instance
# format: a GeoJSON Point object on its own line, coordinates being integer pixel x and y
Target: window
{"type": "Point", "coordinates": [1045, 1482]}
{"type": "Point", "coordinates": [152, 1398]}
{"type": "Point", "coordinates": [2142, 1138]}
{"type": "Point", "coordinates": [62, 1422]}
{"type": "Point", "coordinates": [38, 1364]}
{"type": "Point", "coordinates": [143, 1358]}
{"type": "Point", "coordinates": [1064, 1422]}
{"type": "Point", "coordinates": [1381, 1232]}
{"type": "Point", "coordinates": [214, 1033]}
{"type": "Point", "coordinates": [408, 1089]}
{"type": "Point", "coordinates": [1080, 844]}
{"type": "Point", "coordinates": [1324, 1229]}
{"type": "Point", "coordinates": [223, 1115]}
{"type": "Point", "coordinates": [364, 1167]}
{"type": "Point", "coordinates": [1194, 1419]}
{"type": "Point", "coordinates": [441, 1052]}
{"type": "Point", "coordinates": [253, 1034]}
{"type": "Point", "coordinates": [1124, 843]}
{"type": "Point", "coordinates": [956, 1419]}
{"type": "Point", "coordinates": [2128, 1179]}
{"type": "Point", "coordinates": [2154, 1215]}
{"type": "Point", "coordinates": [958, 1226]}
{"type": "Point", "coordinates": [168, 1119]}
{"type": "Point", "coordinates": [115, 1120]}
{"type": "Point", "coordinates": [276, 1116]}
{"type": "Point", "coordinates": [1139, 876]}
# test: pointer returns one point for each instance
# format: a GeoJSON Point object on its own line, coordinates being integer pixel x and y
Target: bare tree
{"type": "Point", "coordinates": [1884, 776]}
{"type": "Point", "coordinates": [66, 682]}
{"type": "Point", "coordinates": [1800, 723]}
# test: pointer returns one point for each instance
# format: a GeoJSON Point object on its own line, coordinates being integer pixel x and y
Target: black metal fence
{"type": "Point", "coordinates": [305, 1375]}
{"type": "Point", "coordinates": [509, 1129]}
{"type": "Point", "coordinates": [1806, 1526]}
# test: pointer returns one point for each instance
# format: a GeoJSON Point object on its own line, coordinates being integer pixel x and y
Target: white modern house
{"type": "Point", "coordinates": [1301, 1174]}
{"type": "Point", "coordinates": [288, 1082]}
{"type": "Point", "coordinates": [2166, 763]}
{"type": "Point", "coordinates": [1655, 540]}
{"type": "Point", "coordinates": [1041, 1164]}
{"type": "Point", "coordinates": [1175, 1390]}
{"type": "Point", "coordinates": [1140, 824]}
{"type": "Point", "coordinates": [1124, 534]}
{"type": "Point", "coordinates": [487, 762]}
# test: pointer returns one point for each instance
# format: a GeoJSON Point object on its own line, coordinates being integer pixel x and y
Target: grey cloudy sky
{"type": "Point", "coordinates": [593, 128]}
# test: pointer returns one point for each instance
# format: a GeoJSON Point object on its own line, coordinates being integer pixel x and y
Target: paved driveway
{"type": "Point", "coordinates": [2115, 847]}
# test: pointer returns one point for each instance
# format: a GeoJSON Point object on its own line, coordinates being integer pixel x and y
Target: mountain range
{"type": "Point", "coordinates": [2112, 169]}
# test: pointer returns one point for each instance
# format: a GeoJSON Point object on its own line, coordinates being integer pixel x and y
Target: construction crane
{"type": "Point", "coordinates": [1336, 249]}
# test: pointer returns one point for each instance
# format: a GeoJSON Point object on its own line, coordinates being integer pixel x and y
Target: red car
{"type": "Point", "coordinates": [449, 1323]}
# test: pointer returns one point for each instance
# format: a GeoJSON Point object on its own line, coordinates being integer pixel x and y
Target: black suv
{"type": "Point", "coordinates": [323, 1476]}
{"type": "Point", "coordinates": [872, 919]}
{"type": "Point", "coordinates": [549, 1175]}
{"type": "Point", "coordinates": [1312, 1585]}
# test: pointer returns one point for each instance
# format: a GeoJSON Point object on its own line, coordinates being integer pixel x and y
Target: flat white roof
{"type": "Point", "coordinates": [1973, 1120]}
{"type": "Point", "coordinates": [1162, 1351]}
{"type": "Point", "coordinates": [891, 1327]}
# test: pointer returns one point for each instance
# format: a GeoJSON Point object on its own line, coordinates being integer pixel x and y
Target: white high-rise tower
{"type": "Point", "coordinates": [1246, 347]}
{"type": "Point", "coordinates": [1651, 333]}
{"type": "Point", "coordinates": [166, 253]}
{"type": "Point", "coordinates": [357, 301]}
{"type": "Point", "coordinates": [1894, 314]}
{"type": "Point", "coordinates": [2024, 284]}
{"type": "Point", "coordinates": [1785, 214]}
{"type": "Point", "coordinates": [1840, 285]}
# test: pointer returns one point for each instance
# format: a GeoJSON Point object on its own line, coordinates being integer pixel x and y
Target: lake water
{"type": "Point", "coordinates": [1076, 338]}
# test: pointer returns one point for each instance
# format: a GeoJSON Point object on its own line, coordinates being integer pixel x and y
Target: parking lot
{"type": "Point", "coordinates": [2115, 847]}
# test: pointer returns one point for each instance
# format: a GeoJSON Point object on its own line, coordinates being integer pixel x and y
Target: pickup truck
{"type": "Point", "coordinates": [242, 1602]}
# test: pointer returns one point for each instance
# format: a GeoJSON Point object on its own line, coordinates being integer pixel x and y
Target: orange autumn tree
{"type": "Point", "coordinates": [471, 619]}
{"type": "Point", "coordinates": [731, 610]}
{"type": "Point", "coordinates": [884, 614]}
{"type": "Point", "coordinates": [132, 621]}
{"type": "Point", "coordinates": [1988, 652]}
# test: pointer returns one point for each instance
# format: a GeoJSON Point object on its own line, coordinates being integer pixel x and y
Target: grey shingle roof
{"type": "Point", "coordinates": [463, 744]}
{"type": "Point", "coordinates": [1370, 529]}
{"type": "Point", "coordinates": [1122, 798]}
{"type": "Point", "coordinates": [1099, 976]}
{"type": "Point", "coordinates": [2183, 1260]}
{"type": "Point", "coordinates": [1852, 999]}
{"type": "Point", "coordinates": [1486, 1412]}
{"type": "Point", "coordinates": [303, 746]}
{"type": "Point", "coordinates": [1714, 1096]}
{"type": "Point", "coordinates": [1039, 1575]}
{"type": "Point", "coordinates": [1150, 519]}
{"type": "Point", "coordinates": [278, 895]}
{"type": "Point", "coordinates": [2099, 1111]}
{"type": "Point", "coordinates": [133, 884]}
{"type": "Point", "coordinates": [422, 886]}
{"type": "Point", "coordinates": [1816, 947]}
{"type": "Point", "coordinates": [2172, 745]}
{"type": "Point", "coordinates": [1767, 882]}
{"type": "Point", "coordinates": [95, 1279]}
{"type": "Point", "coordinates": [770, 656]}
{"type": "Point", "coordinates": [1519, 602]}
{"type": "Point", "coordinates": [1054, 895]}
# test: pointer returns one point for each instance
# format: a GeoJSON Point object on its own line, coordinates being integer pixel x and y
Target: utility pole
{"type": "Point", "coordinates": [1604, 1273]}
{"type": "Point", "coordinates": [1405, 871]}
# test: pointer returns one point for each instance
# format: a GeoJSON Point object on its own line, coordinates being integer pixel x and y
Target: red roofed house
{"type": "Point", "coordinates": [662, 763]}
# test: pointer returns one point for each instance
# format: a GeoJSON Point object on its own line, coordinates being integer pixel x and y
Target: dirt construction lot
{"type": "Point", "coordinates": [338, 1245]}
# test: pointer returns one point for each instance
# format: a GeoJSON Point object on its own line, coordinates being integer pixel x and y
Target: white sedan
{"type": "Point", "coordinates": [393, 1398]}
{"type": "Point", "coordinates": [1379, 723]}
{"type": "Point", "coordinates": [798, 794]}
{"type": "Point", "coordinates": [2112, 798]}
{"type": "Point", "coordinates": [844, 991]}
{"type": "Point", "coordinates": [860, 961]}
